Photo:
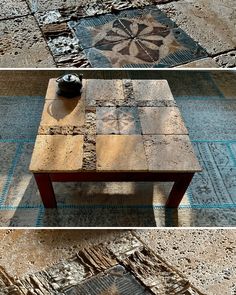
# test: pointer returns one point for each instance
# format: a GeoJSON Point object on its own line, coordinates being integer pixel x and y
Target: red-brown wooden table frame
{"type": "Point", "coordinates": [181, 182]}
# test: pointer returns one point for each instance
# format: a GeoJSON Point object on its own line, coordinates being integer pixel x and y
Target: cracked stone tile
{"type": "Point", "coordinates": [78, 60]}
{"type": "Point", "coordinates": [42, 5]}
{"type": "Point", "coordinates": [158, 276]}
{"type": "Point", "coordinates": [63, 45]}
{"type": "Point", "coordinates": [51, 12]}
{"type": "Point", "coordinates": [210, 22]}
{"type": "Point", "coordinates": [114, 5]}
{"type": "Point", "coordinates": [123, 246]}
{"type": "Point", "coordinates": [98, 270]}
{"type": "Point", "coordinates": [66, 50]}
{"type": "Point", "coordinates": [12, 8]}
{"type": "Point", "coordinates": [55, 29]}
{"type": "Point", "coordinates": [226, 60]}
{"type": "Point", "coordinates": [134, 38]}
{"type": "Point", "coordinates": [91, 7]}
{"type": "Point", "coordinates": [204, 257]}
{"type": "Point", "coordinates": [49, 17]}
{"type": "Point", "coordinates": [22, 44]}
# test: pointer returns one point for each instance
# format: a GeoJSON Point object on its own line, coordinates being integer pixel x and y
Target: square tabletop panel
{"type": "Point", "coordinates": [113, 126]}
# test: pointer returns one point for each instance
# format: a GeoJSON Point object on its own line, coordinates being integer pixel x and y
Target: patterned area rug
{"type": "Point", "coordinates": [208, 106]}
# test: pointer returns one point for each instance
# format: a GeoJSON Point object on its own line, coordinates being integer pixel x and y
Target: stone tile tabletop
{"type": "Point", "coordinates": [114, 125]}
{"type": "Point", "coordinates": [120, 33]}
{"type": "Point", "coordinates": [56, 153]}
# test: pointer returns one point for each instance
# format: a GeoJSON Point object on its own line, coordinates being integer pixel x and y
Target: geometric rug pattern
{"type": "Point", "coordinates": [210, 116]}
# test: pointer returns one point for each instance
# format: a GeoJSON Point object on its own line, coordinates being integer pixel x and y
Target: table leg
{"type": "Point", "coordinates": [178, 190]}
{"type": "Point", "coordinates": [46, 189]}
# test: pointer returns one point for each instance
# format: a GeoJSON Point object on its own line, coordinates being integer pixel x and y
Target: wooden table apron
{"type": "Point", "coordinates": [181, 182]}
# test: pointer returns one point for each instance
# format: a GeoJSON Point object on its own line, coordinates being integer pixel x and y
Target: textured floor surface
{"type": "Point", "coordinates": [197, 261]}
{"type": "Point", "coordinates": [208, 105]}
{"type": "Point", "coordinates": [117, 33]}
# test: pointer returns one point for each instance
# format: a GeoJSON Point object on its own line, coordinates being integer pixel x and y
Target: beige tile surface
{"type": "Point", "coordinates": [11, 8]}
{"type": "Point", "coordinates": [120, 153]}
{"type": "Point", "coordinates": [23, 45]}
{"type": "Point", "coordinates": [104, 90]}
{"type": "Point", "coordinates": [210, 22]}
{"type": "Point", "coordinates": [205, 256]}
{"type": "Point", "coordinates": [152, 90]}
{"type": "Point", "coordinates": [63, 112]}
{"type": "Point", "coordinates": [201, 63]}
{"type": "Point", "coordinates": [170, 153]}
{"type": "Point", "coordinates": [161, 120]}
{"type": "Point", "coordinates": [57, 153]}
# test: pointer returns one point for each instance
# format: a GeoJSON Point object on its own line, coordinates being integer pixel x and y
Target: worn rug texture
{"type": "Point", "coordinates": [208, 106]}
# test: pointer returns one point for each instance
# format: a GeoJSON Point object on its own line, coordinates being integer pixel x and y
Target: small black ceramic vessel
{"type": "Point", "coordinates": [69, 85]}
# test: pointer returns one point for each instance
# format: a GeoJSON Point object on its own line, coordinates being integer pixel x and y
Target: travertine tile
{"type": "Point", "coordinates": [63, 112]}
{"type": "Point", "coordinates": [170, 153]}
{"type": "Point", "coordinates": [121, 120]}
{"type": "Point", "coordinates": [12, 8]}
{"type": "Point", "coordinates": [50, 5]}
{"type": "Point", "coordinates": [111, 90]}
{"type": "Point", "coordinates": [203, 256]}
{"type": "Point", "coordinates": [23, 45]}
{"type": "Point", "coordinates": [210, 22]}
{"type": "Point", "coordinates": [227, 59]}
{"type": "Point", "coordinates": [120, 153]}
{"type": "Point", "coordinates": [201, 63]}
{"type": "Point", "coordinates": [57, 153]}
{"type": "Point", "coordinates": [152, 90]}
{"type": "Point", "coordinates": [161, 120]}
{"type": "Point", "coordinates": [53, 89]}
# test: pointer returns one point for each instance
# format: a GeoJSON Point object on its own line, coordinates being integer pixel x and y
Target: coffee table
{"type": "Point", "coordinates": [116, 130]}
